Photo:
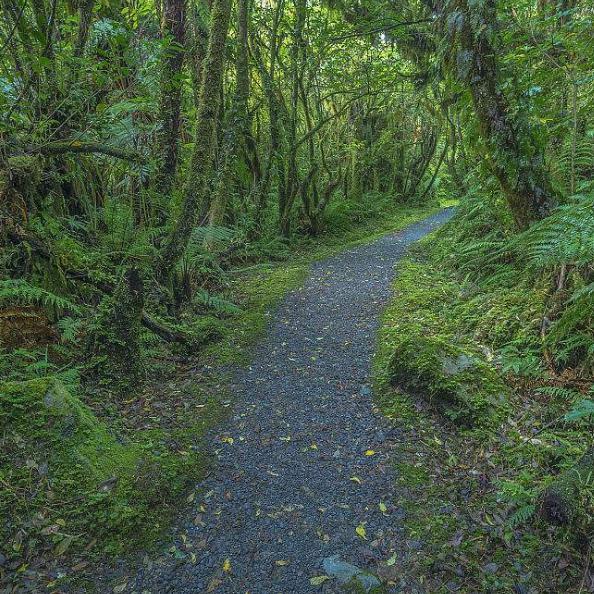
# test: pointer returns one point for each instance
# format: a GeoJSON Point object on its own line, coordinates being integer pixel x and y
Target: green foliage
{"type": "Point", "coordinates": [21, 292]}
{"type": "Point", "coordinates": [423, 356]}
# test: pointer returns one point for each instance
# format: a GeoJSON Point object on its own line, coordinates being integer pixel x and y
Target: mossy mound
{"type": "Point", "coordinates": [206, 330]}
{"type": "Point", "coordinates": [458, 383]}
{"type": "Point", "coordinates": [67, 480]}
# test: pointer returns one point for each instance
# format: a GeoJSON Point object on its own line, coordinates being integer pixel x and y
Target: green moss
{"type": "Point", "coordinates": [70, 480]}
{"type": "Point", "coordinates": [454, 380]}
{"type": "Point", "coordinates": [421, 351]}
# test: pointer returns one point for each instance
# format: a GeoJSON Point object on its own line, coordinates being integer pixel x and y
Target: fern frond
{"type": "Point", "coordinates": [20, 292]}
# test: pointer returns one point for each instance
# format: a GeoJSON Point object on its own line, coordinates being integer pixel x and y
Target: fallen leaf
{"type": "Point", "coordinates": [228, 440]}
{"type": "Point", "coordinates": [383, 507]}
{"type": "Point", "coordinates": [318, 580]}
{"type": "Point", "coordinates": [282, 562]}
{"type": "Point", "coordinates": [227, 565]}
{"type": "Point", "coordinates": [370, 452]}
{"type": "Point", "coordinates": [391, 560]}
{"type": "Point", "coordinates": [360, 530]}
{"type": "Point", "coordinates": [63, 545]}
{"type": "Point", "coordinates": [120, 588]}
{"type": "Point", "coordinates": [355, 479]}
{"type": "Point", "coordinates": [213, 584]}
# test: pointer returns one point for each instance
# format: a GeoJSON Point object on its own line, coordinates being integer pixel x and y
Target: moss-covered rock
{"type": "Point", "coordinates": [460, 384]}
{"type": "Point", "coordinates": [66, 478]}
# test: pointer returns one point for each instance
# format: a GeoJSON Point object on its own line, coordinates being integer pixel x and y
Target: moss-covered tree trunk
{"type": "Point", "coordinates": [173, 33]}
{"type": "Point", "coordinates": [234, 145]}
{"type": "Point", "coordinates": [113, 348]}
{"type": "Point", "coordinates": [291, 189]}
{"type": "Point", "coordinates": [198, 43]}
{"type": "Point", "coordinates": [195, 202]}
{"type": "Point", "coordinates": [514, 154]}
{"type": "Point", "coordinates": [274, 167]}
{"type": "Point", "coordinates": [85, 17]}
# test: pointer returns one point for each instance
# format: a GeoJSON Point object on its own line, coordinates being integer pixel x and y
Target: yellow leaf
{"type": "Point", "coordinates": [383, 507]}
{"type": "Point", "coordinates": [370, 452]}
{"type": "Point", "coordinates": [282, 562]}
{"type": "Point", "coordinates": [318, 580]}
{"type": "Point", "coordinates": [314, 446]}
{"type": "Point", "coordinates": [360, 530]}
{"type": "Point", "coordinates": [355, 479]}
{"type": "Point", "coordinates": [391, 560]}
{"type": "Point", "coordinates": [227, 565]}
{"type": "Point", "coordinates": [228, 440]}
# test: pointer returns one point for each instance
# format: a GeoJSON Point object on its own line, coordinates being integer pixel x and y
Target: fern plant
{"type": "Point", "coordinates": [21, 292]}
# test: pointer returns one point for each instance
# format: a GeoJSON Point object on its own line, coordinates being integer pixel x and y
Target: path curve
{"type": "Point", "coordinates": [295, 483]}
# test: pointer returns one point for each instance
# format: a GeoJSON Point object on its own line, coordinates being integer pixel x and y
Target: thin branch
{"type": "Point", "coordinates": [382, 29]}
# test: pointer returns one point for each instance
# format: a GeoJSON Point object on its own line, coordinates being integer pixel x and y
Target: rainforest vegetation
{"type": "Point", "coordinates": [168, 171]}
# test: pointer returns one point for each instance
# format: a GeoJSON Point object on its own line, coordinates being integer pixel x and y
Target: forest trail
{"type": "Point", "coordinates": [303, 476]}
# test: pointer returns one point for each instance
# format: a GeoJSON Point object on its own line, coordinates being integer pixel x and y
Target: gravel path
{"type": "Point", "coordinates": [303, 464]}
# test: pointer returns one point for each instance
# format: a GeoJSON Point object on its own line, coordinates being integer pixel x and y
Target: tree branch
{"type": "Point", "coordinates": [77, 146]}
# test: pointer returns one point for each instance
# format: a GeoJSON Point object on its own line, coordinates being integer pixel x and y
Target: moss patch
{"type": "Point", "coordinates": [68, 482]}
{"type": "Point", "coordinates": [421, 352]}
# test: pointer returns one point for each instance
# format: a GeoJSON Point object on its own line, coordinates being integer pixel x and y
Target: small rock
{"type": "Point", "coordinates": [345, 572]}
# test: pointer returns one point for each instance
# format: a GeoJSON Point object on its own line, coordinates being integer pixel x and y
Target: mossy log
{"type": "Point", "coordinates": [560, 501]}
{"type": "Point", "coordinates": [85, 148]}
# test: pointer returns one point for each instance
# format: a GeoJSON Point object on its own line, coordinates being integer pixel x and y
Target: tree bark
{"type": "Point", "coordinates": [298, 49]}
{"type": "Point", "coordinates": [195, 200]}
{"type": "Point", "coordinates": [85, 16]}
{"type": "Point", "coordinates": [173, 33]}
{"type": "Point", "coordinates": [114, 346]}
{"type": "Point", "coordinates": [514, 155]}
{"type": "Point", "coordinates": [238, 126]}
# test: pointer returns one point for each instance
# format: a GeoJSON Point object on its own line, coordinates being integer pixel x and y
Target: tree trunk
{"type": "Point", "coordinates": [298, 49]}
{"type": "Point", "coordinates": [114, 346]}
{"type": "Point", "coordinates": [195, 201]}
{"type": "Point", "coordinates": [514, 155]}
{"type": "Point", "coordinates": [237, 131]}
{"type": "Point", "coordinates": [173, 33]}
{"type": "Point", "coordinates": [85, 16]}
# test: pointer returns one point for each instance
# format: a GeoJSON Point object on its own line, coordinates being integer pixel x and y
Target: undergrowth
{"type": "Point", "coordinates": [473, 492]}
